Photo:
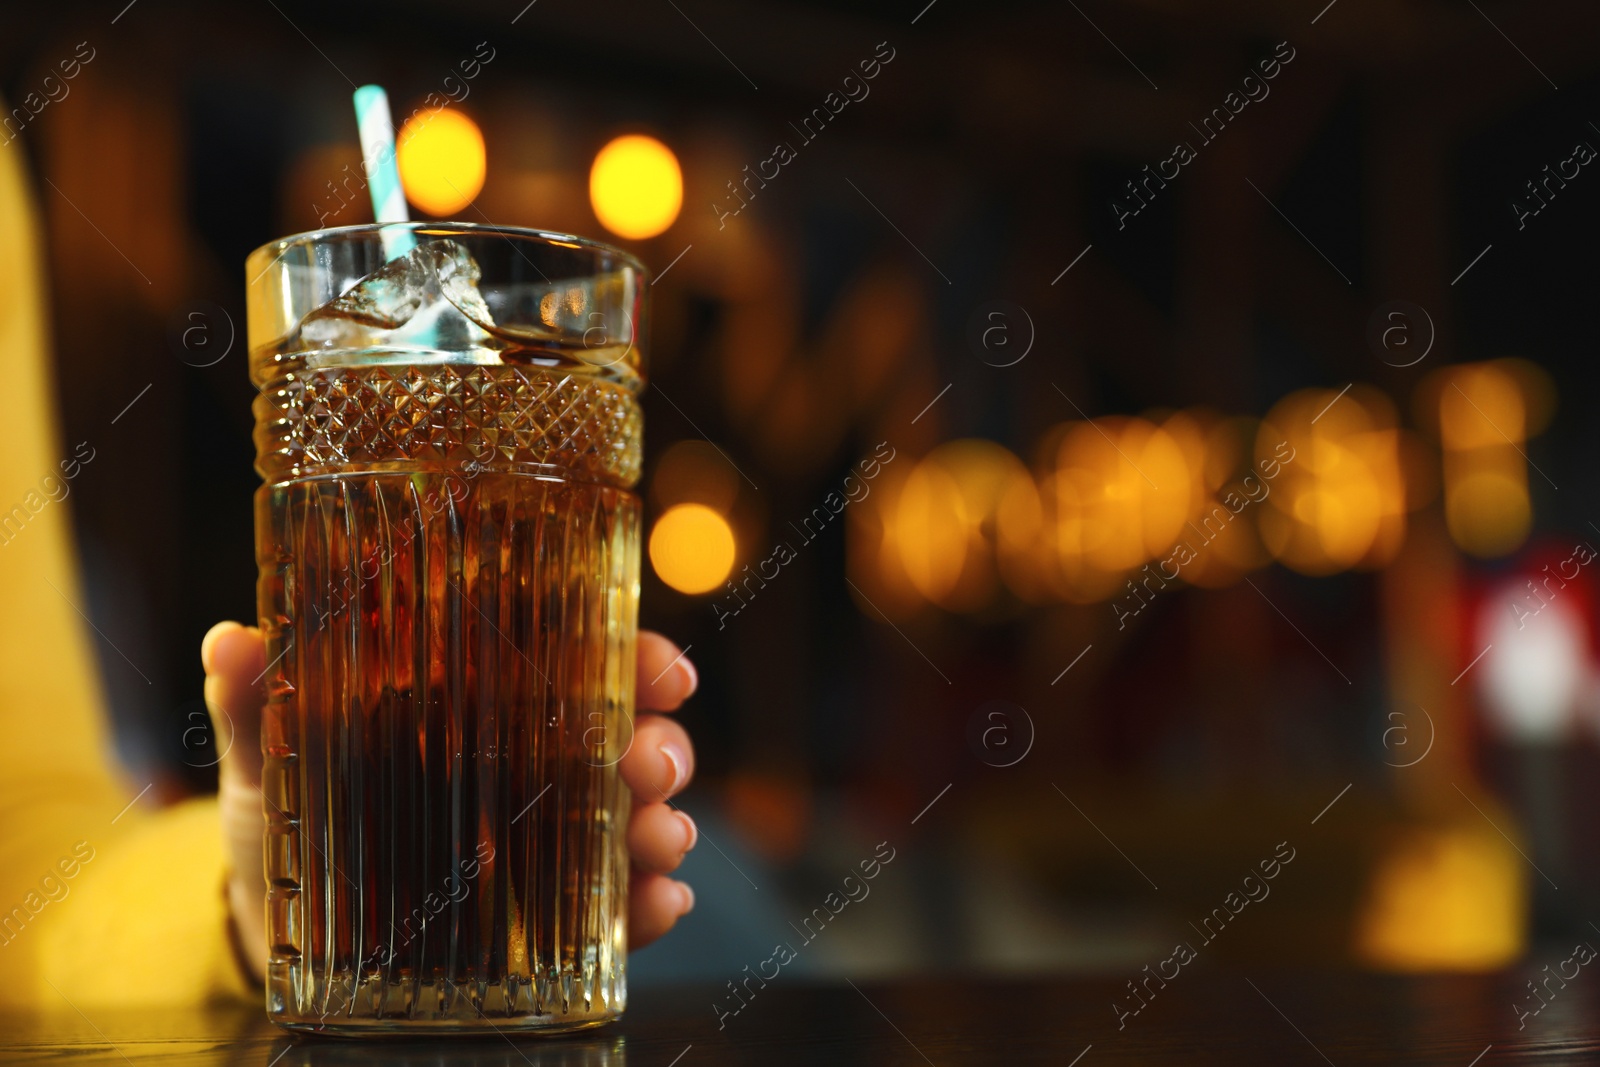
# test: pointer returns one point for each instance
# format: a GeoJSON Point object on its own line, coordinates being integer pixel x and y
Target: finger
{"type": "Point", "coordinates": [659, 836]}
{"type": "Point", "coordinates": [655, 904]}
{"type": "Point", "coordinates": [660, 761]}
{"type": "Point", "coordinates": [666, 677]}
{"type": "Point", "coordinates": [233, 657]}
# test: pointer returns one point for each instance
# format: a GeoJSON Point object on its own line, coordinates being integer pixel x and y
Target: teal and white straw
{"type": "Point", "coordinates": [383, 176]}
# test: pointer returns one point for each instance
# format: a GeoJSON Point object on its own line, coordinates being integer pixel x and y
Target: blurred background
{"type": "Point", "coordinates": [1092, 449]}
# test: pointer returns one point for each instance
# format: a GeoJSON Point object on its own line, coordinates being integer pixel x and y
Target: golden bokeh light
{"type": "Point", "coordinates": [930, 530]}
{"type": "Point", "coordinates": [1224, 549]}
{"type": "Point", "coordinates": [692, 548]}
{"type": "Point", "coordinates": [947, 530]}
{"type": "Point", "coordinates": [1323, 484]}
{"type": "Point", "coordinates": [1484, 412]}
{"type": "Point", "coordinates": [1487, 511]}
{"type": "Point", "coordinates": [693, 471]}
{"type": "Point", "coordinates": [1072, 537]}
{"type": "Point", "coordinates": [1445, 899]}
{"type": "Point", "coordinates": [636, 187]}
{"type": "Point", "coordinates": [1020, 546]}
{"type": "Point", "coordinates": [442, 160]}
{"type": "Point", "coordinates": [1340, 502]}
{"type": "Point", "coordinates": [945, 521]}
{"type": "Point", "coordinates": [1119, 495]}
{"type": "Point", "coordinates": [1486, 505]}
{"type": "Point", "coordinates": [872, 553]}
{"type": "Point", "coordinates": [1481, 407]}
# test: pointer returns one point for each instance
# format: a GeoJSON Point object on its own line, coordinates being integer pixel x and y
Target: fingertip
{"type": "Point", "coordinates": [659, 836]}
{"type": "Point", "coordinates": [655, 648]}
{"type": "Point", "coordinates": [655, 904]}
{"type": "Point", "coordinates": [691, 836]}
{"type": "Point", "coordinates": [666, 676]}
{"type": "Point", "coordinates": [233, 649]}
{"type": "Point", "coordinates": [661, 761]}
{"type": "Point", "coordinates": [208, 644]}
{"type": "Point", "coordinates": [678, 769]}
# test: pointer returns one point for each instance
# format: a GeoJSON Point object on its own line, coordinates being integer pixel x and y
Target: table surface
{"type": "Point", "coordinates": [1209, 1016]}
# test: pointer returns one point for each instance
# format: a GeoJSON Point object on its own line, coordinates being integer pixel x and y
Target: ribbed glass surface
{"type": "Point", "coordinates": [449, 598]}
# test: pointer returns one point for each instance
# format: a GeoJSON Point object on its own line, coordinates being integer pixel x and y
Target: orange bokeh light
{"type": "Point", "coordinates": [1341, 502]}
{"type": "Point", "coordinates": [442, 160]}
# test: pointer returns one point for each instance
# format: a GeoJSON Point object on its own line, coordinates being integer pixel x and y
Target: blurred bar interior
{"type": "Point", "coordinates": [1082, 519]}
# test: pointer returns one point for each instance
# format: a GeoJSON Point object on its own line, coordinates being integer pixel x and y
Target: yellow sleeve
{"type": "Point", "coordinates": [98, 904]}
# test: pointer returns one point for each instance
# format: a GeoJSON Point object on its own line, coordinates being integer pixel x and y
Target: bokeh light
{"type": "Point", "coordinates": [1539, 669]}
{"type": "Point", "coordinates": [946, 531]}
{"type": "Point", "coordinates": [1481, 407]}
{"type": "Point", "coordinates": [636, 187]}
{"type": "Point", "coordinates": [1019, 539]}
{"type": "Point", "coordinates": [1483, 420]}
{"type": "Point", "coordinates": [697, 472]}
{"type": "Point", "coordinates": [1118, 495]}
{"type": "Point", "coordinates": [1228, 447]}
{"type": "Point", "coordinates": [1486, 506]}
{"type": "Point", "coordinates": [442, 160]}
{"type": "Point", "coordinates": [1338, 499]}
{"type": "Point", "coordinates": [1445, 899]}
{"type": "Point", "coordinates": [930, 530]}
{"type": "Point", "coordinates": [692, 548]}
{"type": "Point", "coordinates": [946, 524]}
{"type": "Point", "coordinates": [872, 551]}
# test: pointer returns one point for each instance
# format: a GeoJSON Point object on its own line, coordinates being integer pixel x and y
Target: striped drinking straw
{"type": "Point", "coordinates": [383, 176]}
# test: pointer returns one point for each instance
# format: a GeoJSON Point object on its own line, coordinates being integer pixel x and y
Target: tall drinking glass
{"type": "Point", "coordinates": [448, 430]}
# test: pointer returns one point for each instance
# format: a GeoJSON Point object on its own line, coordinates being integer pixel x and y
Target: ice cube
{"type": "Point", "coordinates": [427, 298]}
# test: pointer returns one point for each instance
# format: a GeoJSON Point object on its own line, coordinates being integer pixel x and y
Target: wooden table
{"type": "Point", "coordinates": [1204, 1017]}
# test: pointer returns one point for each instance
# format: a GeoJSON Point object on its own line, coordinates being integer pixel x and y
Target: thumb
{"type": "Point", "coordinates": [234, 659]}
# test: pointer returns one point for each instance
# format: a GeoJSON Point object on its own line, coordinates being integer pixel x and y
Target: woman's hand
{"type": "Point", "coordinates": [658, 764]}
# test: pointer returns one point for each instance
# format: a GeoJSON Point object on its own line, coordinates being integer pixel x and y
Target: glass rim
{"type": "Point", "coordinates": [445, 228]}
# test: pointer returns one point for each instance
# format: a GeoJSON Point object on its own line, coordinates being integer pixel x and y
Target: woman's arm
{"type": "Point", "coordinates": [99, 902]}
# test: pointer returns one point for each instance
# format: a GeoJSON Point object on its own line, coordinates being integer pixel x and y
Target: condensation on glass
{"type": "Point", "coordinates": [448, 432]}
